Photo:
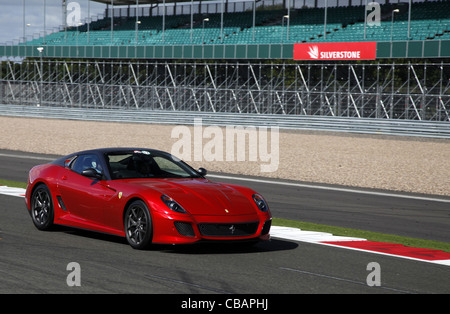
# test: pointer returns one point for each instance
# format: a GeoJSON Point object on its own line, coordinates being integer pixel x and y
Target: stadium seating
{"type": "Point", "coordinates": [430, 20]}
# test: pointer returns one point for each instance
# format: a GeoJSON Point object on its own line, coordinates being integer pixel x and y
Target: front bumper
{"type": "Point", "coordinates": [178, 229]}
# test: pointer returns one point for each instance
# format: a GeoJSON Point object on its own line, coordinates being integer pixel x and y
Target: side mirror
{"type": "Point", "coordinates": [202, 171]}
{"type": "Point", "coordinates": [92, 173]}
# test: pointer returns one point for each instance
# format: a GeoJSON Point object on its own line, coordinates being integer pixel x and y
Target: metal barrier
{"type": "Point", "coordinates": [432, 129]}
{"type": "Point", "coordinates": [379, 91]}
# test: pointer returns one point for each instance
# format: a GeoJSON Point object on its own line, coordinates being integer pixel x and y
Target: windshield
{"type": "Point", "coordinates": [147, 164]}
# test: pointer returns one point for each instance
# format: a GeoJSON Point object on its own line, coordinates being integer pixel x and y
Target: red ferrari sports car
{"type": "Point", "coordinates": [145, 195]}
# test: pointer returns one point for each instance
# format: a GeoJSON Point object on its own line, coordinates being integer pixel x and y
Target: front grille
{"type": "Point", "coordinates": [228, 230]}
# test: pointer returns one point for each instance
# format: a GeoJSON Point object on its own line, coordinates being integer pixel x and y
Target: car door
{"type": "Point", "coordinates": [85, 198]}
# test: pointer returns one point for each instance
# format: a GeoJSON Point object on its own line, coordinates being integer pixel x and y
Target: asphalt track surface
{"type": "Point", "coordinates": [33, 261]}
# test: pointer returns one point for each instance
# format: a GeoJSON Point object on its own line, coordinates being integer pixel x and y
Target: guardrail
{"type": "Point", "coordinates": [432, 129]}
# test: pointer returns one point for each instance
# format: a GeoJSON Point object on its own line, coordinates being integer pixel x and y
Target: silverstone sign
{"type": "Point", "coordinates": [336, 51]}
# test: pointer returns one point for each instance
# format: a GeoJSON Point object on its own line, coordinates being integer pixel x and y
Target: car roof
{"type": "Point", "coordinates": [115, 149]}
{"type": "Point", "coordinates": [61, 160]}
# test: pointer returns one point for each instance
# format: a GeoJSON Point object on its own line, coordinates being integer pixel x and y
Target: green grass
{"type": "Point", "coordinates": [370, 236]}
{"type": "Point", "coordinates": [339, 231]}
{"type": "Point", "coordinates": [13, 184]}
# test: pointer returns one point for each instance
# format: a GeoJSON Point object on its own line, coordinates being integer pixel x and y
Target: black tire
{"type": "Point", "coordinates": [42, 212]}
{"type": "Point", "coordinates": [138, 225]}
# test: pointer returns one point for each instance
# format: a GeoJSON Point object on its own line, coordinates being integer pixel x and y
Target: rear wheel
{"type": "Point", "coordinates": [42, 208]}
{"type": "Point", "coordinates": [138, 225]}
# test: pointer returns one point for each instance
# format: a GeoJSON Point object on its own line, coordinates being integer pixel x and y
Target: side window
{"type": "Point", "coordinates": [84, 162]}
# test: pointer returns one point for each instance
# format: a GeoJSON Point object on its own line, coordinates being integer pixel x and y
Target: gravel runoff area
{"type": "Point", "coordinates": [393, 163]}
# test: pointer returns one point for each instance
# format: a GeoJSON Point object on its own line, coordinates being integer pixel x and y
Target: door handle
{"type": "Point", "coordinates": [64, 178]}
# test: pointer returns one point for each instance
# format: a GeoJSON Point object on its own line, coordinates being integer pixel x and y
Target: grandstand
{"type": "Point", "coordinates": [244, 30]}
{"type": "Point", "coordinates": [153, 60]}
{"type": "Point", "coordinates": [429, 20]}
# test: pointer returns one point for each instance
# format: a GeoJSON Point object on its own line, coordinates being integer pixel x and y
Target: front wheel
{"type": "Point", "coordinates": [42, 208]}
{"type": "Point", "coordinates": [138, 225]}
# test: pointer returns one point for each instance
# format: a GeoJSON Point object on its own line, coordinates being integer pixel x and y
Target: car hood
{"type": "Point", "coordinates": [202, 196]}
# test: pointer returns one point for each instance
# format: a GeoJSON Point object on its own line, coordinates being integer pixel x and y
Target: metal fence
{"type": "Point", "coordinates": [433, 129]}
{"type": "Point", "coordinates": [380, 91]}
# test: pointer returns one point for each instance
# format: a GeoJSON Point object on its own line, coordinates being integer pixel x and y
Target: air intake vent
{"type": "Point", "coordinates": [61, 203]}
{"type": "Point", "coordinates": [184, 228]}
{"type": "Point", "coordinates": [266, 227]}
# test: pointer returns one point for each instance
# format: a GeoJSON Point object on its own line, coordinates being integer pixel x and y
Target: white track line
{"type": "Point", "coordinates": [6, 190]}
{"type": "Point", "coordinates": [307, 236]}
{"type": "Point", "coordinates": [27, 157]}
{"type": "Point", "coordinates": [295, 234]}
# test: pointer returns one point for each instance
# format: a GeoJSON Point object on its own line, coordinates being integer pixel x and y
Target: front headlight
{"type": "Point", "coordinates": [172, 204]}
{"type": "Point", "coordinates": [260, 202]}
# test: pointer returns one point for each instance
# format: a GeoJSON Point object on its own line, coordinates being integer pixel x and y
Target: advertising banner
{"type": "Point", "coordinates": [336, 51]}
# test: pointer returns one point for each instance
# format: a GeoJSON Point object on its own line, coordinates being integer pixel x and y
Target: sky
{"type": "Point", "coordinates": [11, 15]}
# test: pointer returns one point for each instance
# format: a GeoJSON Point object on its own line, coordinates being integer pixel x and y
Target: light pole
{"type": "Point", "coordinates": [24, 33]}
{"type": "Point", "coordinates": [136, 31]}
{"type": "Point", "coordinates": [365, 20]}
{"type": "Point", "coordinates": [89, 22]}
{"type": "Point", "coordinates": [192, 19]}
{"type": "Point", "coordinates": [137, 22]}
{"type": "Point", "coordinates": [78, 34]}
{"type": "Point", "coordinates": [23, 17]}
{"type": "Point", "coordinates": [112, 22]}
{"type": "Point", "coordinates": [392, 25]}
{"type": "Point", "coordinates": [203, 29]}
{"type": "Point", "coordinates": [325, 20]}
{"type": "Point", "coordinates": [409, 20]}
{"type": "Point", "coordinates": [45, 21]}
{"type": "Point", "coordinates": [164, 21]}
{"type": "Point", "coordinates": [41, 49]}
{"type": "Point", "coordinates": [282, 27]}
{"type": "Point", "coordinates": [392, 21]}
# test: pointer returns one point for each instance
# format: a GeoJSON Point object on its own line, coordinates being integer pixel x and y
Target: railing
{"type": "Point", "coordinates": [432, 129]}
{"type": "Point", "coordinates": [380, 91]}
